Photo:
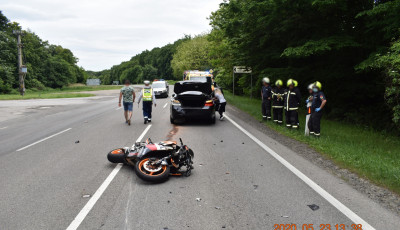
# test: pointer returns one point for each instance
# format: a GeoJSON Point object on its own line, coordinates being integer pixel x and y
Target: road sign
{"type": "Point", "coordinates": [241, 69]}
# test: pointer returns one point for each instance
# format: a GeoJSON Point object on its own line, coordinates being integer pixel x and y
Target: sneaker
{"type": "Point", "coordinates": [221, 118]}
{"type": "Point", "coordinates": [149, 120]}
{"type": "Point", "coordinates": [129, 122]}
{"type": "Point", "coordinates": [145, 120]}
{"type": "Point", "coordinates": [126, 122]}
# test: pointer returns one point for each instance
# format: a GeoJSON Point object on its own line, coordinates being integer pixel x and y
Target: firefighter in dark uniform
{"type": "Point", "coordinates": [266, 96]}
{"type": "Point", "coordinates": [292, 99]}
{"type": "Point", "coordinates": [277, 102]}
{"type": "Point", "coordinates": [318, 103]}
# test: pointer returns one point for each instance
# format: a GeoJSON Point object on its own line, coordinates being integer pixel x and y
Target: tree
{"type": "Point", "coordinates": [191, 54]}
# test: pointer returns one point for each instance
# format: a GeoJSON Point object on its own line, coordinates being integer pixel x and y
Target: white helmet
{"type": "Point", "coordinates": [310, 86]}
{"type": "Point", "coordinates": [147, 82]}
{"type": "Point", "coordinates": [265, 80]}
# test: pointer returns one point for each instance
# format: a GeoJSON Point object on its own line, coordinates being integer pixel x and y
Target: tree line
{"type": "Point", "coordinates": [49, 66]}
{"type": "Point", "coordinates": [148, 65]}
{"type": "Point", "coordinates": [352, 47]}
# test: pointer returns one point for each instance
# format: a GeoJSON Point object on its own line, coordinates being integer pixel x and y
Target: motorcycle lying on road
{"type": "Point", "coordinates": [155, 162]}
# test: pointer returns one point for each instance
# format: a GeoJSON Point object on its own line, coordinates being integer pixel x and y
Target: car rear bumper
{"type": "Point", "coordinates": [179, 112]}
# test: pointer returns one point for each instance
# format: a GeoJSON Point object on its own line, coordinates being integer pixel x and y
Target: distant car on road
{"type": "Point", "coordinates": [192, 99]}
{"type": "Point", "coordinates": [160, 88]}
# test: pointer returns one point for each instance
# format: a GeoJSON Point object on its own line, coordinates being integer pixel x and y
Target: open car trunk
{"type": "Point", "coordinates": [193, 93]}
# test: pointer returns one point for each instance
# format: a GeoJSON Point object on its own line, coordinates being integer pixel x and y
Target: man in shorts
{"type": "Point", "coordinates": [128, 94]}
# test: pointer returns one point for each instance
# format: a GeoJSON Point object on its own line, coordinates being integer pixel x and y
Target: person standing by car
{"type": "Point", "coordinates": [292, 99]}
{"type": "Point", "coordinates": [308, 105]}
{"type": "Point", "coordinates": [221, 103]}
{"type": "Point", "coordinates": [266, 99]}
{"type": "Point", "coordinates": [318, 103]}
{"type": "Point", "coordinates": [148, 100]}
{"type": "Point", "coordinates": [128, 94]}
{"type": "Point", "coordinates": [277, 102]}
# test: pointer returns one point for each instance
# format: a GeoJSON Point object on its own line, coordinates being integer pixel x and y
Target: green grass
{"type": "Point", "coordinates": [65, 92]}
{"type": "Point", "coordinates": [78, 88]}
{"type": "Point", "coordinates": [43, 95]}
{"type": "Point", "coordinates": [371, 154]}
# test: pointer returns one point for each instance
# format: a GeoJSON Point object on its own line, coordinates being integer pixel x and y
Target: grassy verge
{"type": "Point", "coordinates": [43, 95]}
{"type": "Point", "coordinates": [370, 154]}
{"type": "Point", "coordinates": [65, 92]}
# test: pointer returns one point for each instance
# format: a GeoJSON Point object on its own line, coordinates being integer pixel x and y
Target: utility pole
{"type": "Point", "coordinates": [22, 70]}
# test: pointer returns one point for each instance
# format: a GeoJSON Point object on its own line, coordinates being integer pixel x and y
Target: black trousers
{"type": "Point", "coordinates": [314, 124]}
{"type": "Point", "coordinates": [266, 108]}
{"type": "Point", "coordinates": [278, 114]}
{"type": "Point", "coordinates": [292, 118]}
{"type": "Point", "coordinates": [221, 108]}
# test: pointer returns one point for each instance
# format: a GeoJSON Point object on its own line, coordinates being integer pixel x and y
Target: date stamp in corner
{"type": "Point", "coordinates": [316, 227]}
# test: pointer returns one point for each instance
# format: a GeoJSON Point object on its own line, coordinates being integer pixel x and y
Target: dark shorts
{"type": "Point", "coordinates": [128, 106]}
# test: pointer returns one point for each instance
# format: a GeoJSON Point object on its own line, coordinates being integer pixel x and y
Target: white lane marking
{"type": "Point", "coordinates": [90, 204]}
{"type": "Point", "coordinates": [165, 105]}
{"type": "Point", "coordinates": [142, 135]}
{"type": "Point", "coordinates": [3, 127]}
{"type": "Point", "coordinates": [118, 108]}
{"type": "Point", "coordinates": [336, 203]}
{"type": "Point", "coordinates": [37, 142]}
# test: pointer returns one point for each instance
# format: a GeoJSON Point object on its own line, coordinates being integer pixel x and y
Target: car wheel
{"type": "Point", "coordinates": [171, 120]}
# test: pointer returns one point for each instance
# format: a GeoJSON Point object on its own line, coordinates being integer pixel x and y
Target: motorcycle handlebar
{"type": "Point", "coordinates": [180, 139]}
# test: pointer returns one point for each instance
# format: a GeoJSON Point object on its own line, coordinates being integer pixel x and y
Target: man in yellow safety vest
{"type": "Point", "coordinates": [148, 100]}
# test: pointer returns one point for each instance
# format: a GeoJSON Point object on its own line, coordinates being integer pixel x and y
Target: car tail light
{"type": "Point", "coordinates": [209, 103]}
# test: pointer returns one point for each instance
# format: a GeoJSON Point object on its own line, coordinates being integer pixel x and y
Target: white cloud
{"type": "Point", "coordinates": [102, 33]}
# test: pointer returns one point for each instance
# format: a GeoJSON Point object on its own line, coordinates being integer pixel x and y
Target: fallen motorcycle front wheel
{"type": "Point", "coordinates": [146, 170]}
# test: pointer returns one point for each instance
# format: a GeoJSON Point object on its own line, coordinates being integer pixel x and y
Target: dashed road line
{"type": "Point", "coordinates": [37, 142]}
{"type": "Point", "coordinates": [165, 105]}
{"type": "Point", "coordinates": [90, 204]}
{"type": "Point", "coordinates": [118, 108]}
{"type": "Point", "coordinates": [332, 200]}
{"type": "Point", "coordinates": [3, 127]}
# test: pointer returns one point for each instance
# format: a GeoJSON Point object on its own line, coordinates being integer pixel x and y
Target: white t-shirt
{"type": "Point", "coordinates": [220, 97]}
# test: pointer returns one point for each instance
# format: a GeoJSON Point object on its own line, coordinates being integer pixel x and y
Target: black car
{"type": "Point", "coordinates": [192, 99]}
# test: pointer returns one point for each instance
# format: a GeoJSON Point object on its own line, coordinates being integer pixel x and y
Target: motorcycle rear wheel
{"type": "Point", "coordinates": [145, 172]}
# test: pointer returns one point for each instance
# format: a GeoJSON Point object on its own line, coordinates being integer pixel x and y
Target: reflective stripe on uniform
{"type": "Point", "coordinates": [277, 106]}
{"type": "Point", "coordinates": [147, 94]}
{"type": "Point", "coordinates": [294, 108]}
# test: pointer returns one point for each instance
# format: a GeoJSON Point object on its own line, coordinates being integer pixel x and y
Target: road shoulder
{"type": "Point", "coordinates": [380, 195]}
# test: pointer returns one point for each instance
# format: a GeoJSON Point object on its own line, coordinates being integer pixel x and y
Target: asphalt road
{"type": "Point", "coordinates": [244, 178]}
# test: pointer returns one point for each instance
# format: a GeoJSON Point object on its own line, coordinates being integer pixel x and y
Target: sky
{"type": "Point", "coordinates": [103, 33]}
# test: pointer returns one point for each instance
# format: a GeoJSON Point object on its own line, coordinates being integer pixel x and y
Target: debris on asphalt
{"type": "Point", "coordinates": [223, 226]}
{"type": "Point", "coordinates": [255, 186]}
{"type": "Point", "coordinates": [217, 207]}
{"type": "Point", "coordinates": [242, 143]}
{"type": "Point", "coordinates": [261, 165]}
{"type": "Point", "coordinates": [222, 140]}
{"type": "Point", "coordinates": [168, 202]}
{"type": "Point", "coordinates": [198, 199]}
{"type": "Point", "coordinates": [86, 196]}
{"type": "Point", "coordinates": [76, 142]}
{"type": "Point", "coordinates": [313, 207]}
{"type": "Point", "coordinates": [170, 192]}
{"type": "Point", "coordinates": [285, 216]}
{"type": "Point", "coordinates": [200, 164]}
{"type": "Point", "coordinates": [227, 173]}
